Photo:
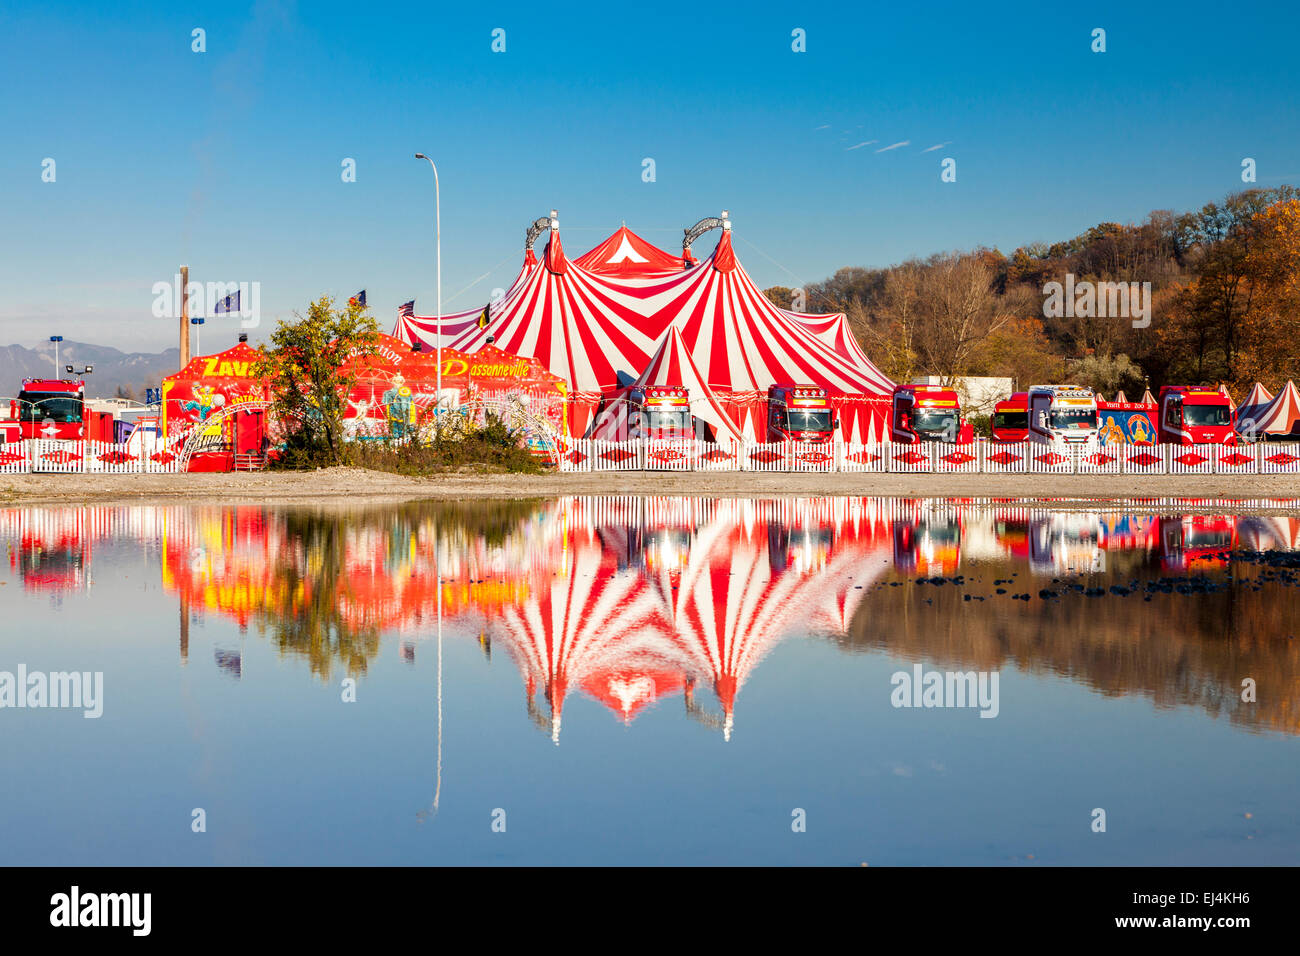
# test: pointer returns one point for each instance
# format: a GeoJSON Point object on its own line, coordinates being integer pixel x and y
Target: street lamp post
{"type": "Point", "coordinates": [437, 234]}
{"type": "Point", "coordinates": [198, 338]}
{"type": "Point", "coordinates": [56, 339]}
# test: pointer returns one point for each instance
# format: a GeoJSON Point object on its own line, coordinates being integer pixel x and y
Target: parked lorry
{"type": "Point", "coordinates": [1196, 415]}
{"type": "Point", "coordinates": [800, 413]}
{"type": "Point", "coordinates": [1063, 415]}
{"type": "Point", "coordinates": [1010, 421]}
{"type": "Point", "coordinates": [53, 408]}
{"type": "Point", "coordinates": [659, 411]}
{"type": "Point", "coordinates": [927, 413]}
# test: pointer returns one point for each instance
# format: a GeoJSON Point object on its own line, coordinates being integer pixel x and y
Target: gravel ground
{"type": "Point", "coordinates": [355, 484]}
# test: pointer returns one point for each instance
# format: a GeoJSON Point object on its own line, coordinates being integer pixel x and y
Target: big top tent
{"type": "Point", "coordinates": [426, 330]}
{"type": "Point", "coordinates": [599, 330]}
{"type": "Point", "coordinates": [627, 254]}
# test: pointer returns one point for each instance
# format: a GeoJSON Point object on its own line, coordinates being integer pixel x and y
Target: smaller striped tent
{"type": "Point", "coordinates": [671, 365]}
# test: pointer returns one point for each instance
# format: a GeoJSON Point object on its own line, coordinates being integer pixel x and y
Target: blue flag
{"type": "Point", "coordinates": [228, 305]}
{"type": "Point", "coordinates": [358, 299]}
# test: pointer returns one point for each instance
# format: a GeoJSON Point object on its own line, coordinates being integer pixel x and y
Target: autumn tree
{"type": "Point", "coordinates": [310, 378]}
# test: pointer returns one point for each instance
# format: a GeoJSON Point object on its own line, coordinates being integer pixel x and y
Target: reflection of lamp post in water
{"type": "Point", "coordinates": [437, 577]}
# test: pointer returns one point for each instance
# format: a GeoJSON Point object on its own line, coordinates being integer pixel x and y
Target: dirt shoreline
{"type": "Point", "coordinates": [343, 485]}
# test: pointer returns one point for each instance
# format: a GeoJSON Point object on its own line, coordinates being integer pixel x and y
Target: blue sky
{"type": "Point", "coordinates": [229, 160]}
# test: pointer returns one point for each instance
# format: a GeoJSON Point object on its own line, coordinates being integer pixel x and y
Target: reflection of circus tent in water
{"type": "Point", "coordinates": [764, 570]}
{"type": "Point", "coordinates": [662, 594]}
{"type": "Point", "coordinates": [1268, 533]}
{"type": "Point", "coordinates": [591, 620]}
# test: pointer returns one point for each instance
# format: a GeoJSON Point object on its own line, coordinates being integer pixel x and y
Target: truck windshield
{"type": "Point", "coordinates": [1074, 418]}
{"type": "Point", "coordinates": [809, 420]}
{"type": "Point", "coordinates": [1204, 415]}
{"type": "Point", "coordinates": [666, 420]}
{"type": "Point", "coordinates": [1010, 420]}
{"type": "Point", "coordinates": [38, 406]}
{"type": "Point", "coordinates": [934, 421]}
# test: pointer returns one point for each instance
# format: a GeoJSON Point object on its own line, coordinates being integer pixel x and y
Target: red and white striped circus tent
{"type": "Point", "coordinates": [833, 329]}
{"type": "Point", "coordinates": [1282, 415]}
{"type": "Point", "coordinates": [598, 330]}
{"type": "Point", "coordinates": [743, 344]}
{"type": "Point", "coordinates": [1223, 390]}
{"type": "Point", "coordinates": [423, 330]}
{"type": "Point", "coordinates": [627, 254]}
{"type": "Point", "coordinates": [671, 365]}
{"type": "Point", "coordinates": [1253, 407]}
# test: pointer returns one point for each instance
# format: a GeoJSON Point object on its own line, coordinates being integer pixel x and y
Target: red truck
{"type": "Point", "coordinates": [1195, 415]}
{"type": "Point", "coordinates": [1011, 418]}
{"type": "Point", "coordinates": [800, 413]}
{"type": "Point", "coordinates": [660, 411]}
{"type": "Point", "coordinates": [55, 408]}
{"type": "Point", "coordinates": [50, 408]}
{"type": "Point", "coordinates": [928, 413]}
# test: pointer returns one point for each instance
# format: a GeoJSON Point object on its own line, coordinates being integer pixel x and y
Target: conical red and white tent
{"type": "Point", "coordinates": [1223, 390]}
{"type": "Point", "coordinates": [1253, 407]}
{"type": "Point", "coordinates": [671, 365]}
{"type": "Point", "coordinates": [627, 254]}
{"type": "Point", "coordinates": [1282, 415]}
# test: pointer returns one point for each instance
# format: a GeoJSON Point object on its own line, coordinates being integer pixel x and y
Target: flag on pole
{"type": "Point", "coordinates": [228, 305]}
{"type": "Point", "coordinates": [406, 310]}
{"type": "Point", "coordinates": [358, 299]}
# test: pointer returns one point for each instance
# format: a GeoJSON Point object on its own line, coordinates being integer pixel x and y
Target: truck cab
{"type": "Point", "coordinates": [1063, 415]}
{"type": "Point", "coordinates": [1196, 415]}
{"type": "Point", "coordinates": [799, 413]}
{"type": "Point", "coordinates": [927, 413]}
{"type": "Point", "coordinates": [660, 411]}
{"type": "Point", "coordinates": [1011, 418]}
{"type": "Point", "coordinates": [51, 408]}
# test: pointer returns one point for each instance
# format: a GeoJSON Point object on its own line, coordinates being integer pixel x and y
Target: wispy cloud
{"type": "Point", "coordinates": [823, 126]}
{"type": "Point", "coordinates": [860, 145]}
{"type": "Point", "coordinates": [885, 149]}
{"type": "Point", "coordinates": [931, 149]}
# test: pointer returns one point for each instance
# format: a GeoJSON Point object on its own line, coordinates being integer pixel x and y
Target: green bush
{"type": "Point", "coordinates": [490, 447]}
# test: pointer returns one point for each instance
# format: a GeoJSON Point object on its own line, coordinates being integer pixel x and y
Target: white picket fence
{"type": "Point", "coordinates": [928, 458]}
{"type": "Point", "coordinates": [62, 456]}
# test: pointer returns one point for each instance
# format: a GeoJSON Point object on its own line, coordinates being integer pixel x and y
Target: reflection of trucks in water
{"type": "Point", "coordinates": [929, 544]}
{"type": "Point", "coordinates": [801, 548]}
{"type": "Point", "coordinates": [927, 413]}
{"type": "Point", "coordinates": [1011, 418]}
{"type": "Point", "coordinates": [799, 413]}
{"type": "Point", "coordinates": [1195, 415]}
{"type": "Point", "coordinates": [1063, 415]}
{"type": "Point", "coordinates": [1066, 543]}
{"type": "Point", "coordinates": [1196, 542]}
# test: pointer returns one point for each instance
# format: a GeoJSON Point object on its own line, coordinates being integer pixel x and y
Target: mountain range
{"type": "Point", "coordinates": [116, 373]}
